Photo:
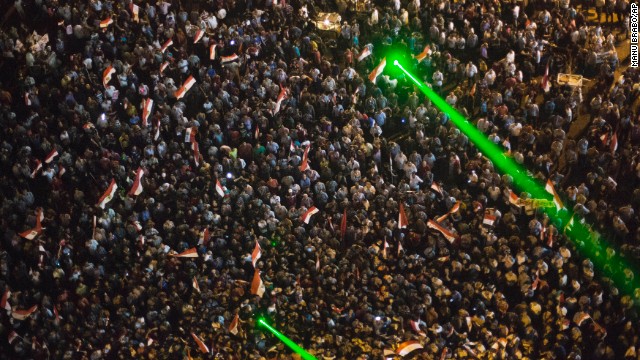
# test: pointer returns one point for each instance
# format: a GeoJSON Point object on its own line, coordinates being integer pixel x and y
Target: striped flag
{"type": "Point", "coordinates": [307, 215]}
{"type": "Point", "coordinates": [423, 55]}
{"type": "Point", "coordinates": [52, 155]}
{"type": "Point", "coordinates": [446, 233]}
{"type": "Point", "coordinates": [230, 58]}
{"type": "Point", "coordinates": [281, 97]}
{"type": "Point", "coordinates": [23, 314]}
{"type": "Point", "coordinates": [407, 347]}
{"type": "Point", "coordinates": [378, 70]}
{"type": "Point", "coordinates": [384, 249]}
{"type": "Point", "coordinates": [4, 301]}
{"type": "Point", "coordinates": [304, 166]}
{"type": "Point", "coordinates": [402, 218]}
{"type": "Point", "coordinates": [343, 223]}
{"type": "Point", "coordinates": [212, 51]}
{"type": "Point", "coordinates": [147, 105]}
{"type": "Point", "coordinates": [317, 262]}
{"type": "Point", "coordinates": [38, 168]}
{"type": "Point", "coordinates": [196, 152]}
{"type": "Point", "coordinates": [489, 217]}
{"type": "Point", "coordinates": [196, 287]}
{"type": "Point", "coordinates": [185, 87]}
{"type": "Point", "coordinates": [364, 53]}
{"type": "Point", "coordinates": [613, 146]}
{"type": "Point", "coordinates": [546, 85]}
{"type": "Point", "coordinates": [437, 188]}
{"type": "Point", "coordinates": [166, 45]}
{"type": "Point", "coordinates": [200, 343]}
{"type": "Point", "coordinates": [233, 328]}
{"type": "Point", "coordinates": [204, 237]}
{"type": "Point", "coordinates": [136, 189]}
{"type": "Point", "coordinates": [106, 22]}
{"type": "Point", "coordinates": [190, 253]}
{"type": "Point", "coordinates": [163, 67]}
{"type": "Point", "coordinates": [108, 195]}
{"type": "Point", "coordinates": [198, 36]}
{"type": "Point", "coordinates": [12, 337]}
{"type": "Point", "coordinates": [219, 188]}
{"type": "Point", "coordinates": [256, 254]}
{"type": "Point", "coordinates": [106, 75]}
{"type": "Point", "coordinates": [454, 209]}
{"type": "Point", "coordinates": [514, 199]}
{"type": "Point", "coordinates": [292, 147]}
{"type": "Point", "coordinates": [190, 134]}
{"type": "Point", "coordinates": [27, 99]}
{"type": "Point", "coordinates": [156, 136]}
{"type": "Point", "coordinates": [257, 286]}
{"type": "Point", "coordinates": [551, 190]}
{"type": "Point", "coordinates": [136, 224]}
{"type": "Point", "coordinates": [415, 325]}
{"type": "Point", "coordinates": [135, 11]}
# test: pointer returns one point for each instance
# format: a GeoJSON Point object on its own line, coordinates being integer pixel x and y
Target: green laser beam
{"type": "Point", "coordinates": [293, 346]}
{"type": "Point", "coordinates": [610, 262]}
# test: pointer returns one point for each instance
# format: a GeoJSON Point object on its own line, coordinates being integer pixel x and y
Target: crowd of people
{"type": "Point", "coordinates": [173, 171]}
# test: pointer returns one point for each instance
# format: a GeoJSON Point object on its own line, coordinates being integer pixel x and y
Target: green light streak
{"type": "Point", "coordinates": [603, 255]}
{"type": "Point", "coordinates": [297, 349]}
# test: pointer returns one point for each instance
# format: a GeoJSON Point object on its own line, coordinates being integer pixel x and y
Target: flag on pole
{"type": "Point", "coordinates": [257, 286]}
{"type": "Point", "coordinates": [292, 147]}
{"type": "Point", "coordinates": [514, 199]}
{"type": "Point", "coordinates": [4, 301]}
{"type": "Point", "coordinates": [256, 254]}
{"type": "Point", "coordinates": [307, 215]}
{"type": "Point", "coordinates": [212, 51]}
{"type": "Point", "coordinates": [135, 11]}
{"type": "Point", "coordinates": [613, 146]}
{"type": "Point", "coordinates": [190, 134]}
{"type": "Point", "coordinates": [551, 190]}
{"type": "Point", "coordinates": [185, 87]}
{"type": "Point", "coordinates": [304, 166]}
{"type": "Point", "coordinates": [106, 22]}
{"type": "Point", "coordinates": [378, 70]}
{"type": "Point", "coordinates": [402, 218]}
{"type": "Point", "coordinates": [190, 253]}
{"type": "Point", "coordinates": [108, 195]}
{"type": "Point", "coordinates": [204, 237]}
{"type": "Point", "coordinates": [201, 344]}
{"type": "Point", "coordinates": [163, 67]}
{"type": "Point", "coordinates": [196, 152]}
{"type": "Point", "coordinates": [364, 53]}
{"type": "Point", "coordinates": [106, 75]}
{"type": "Point", "coordinates": [136, 189]}
{"type": "Point", "coordinates": [198, 36]}
{"type": "Point", "coordinates": [423, 55]}
{"type": "Point", "coordinates": [437, 188]}
{"type": "Point", "coordinates": [489, 217]}
{"type": "Point", "coordinates": [415, 325]}
{"type": "Point", "coordinates": [281, 97]}
{"type": "Point", "coordinates": [343, 224]}
{"type": "Point", "coordinates": [407, 347]}
{"type": "Point", "coordinates": [38, 168]}
{"type": "Point", "coordinates": [27, 99]}
{"type": "Point", "coordinates": [384, 249]}
{"type": "Point", "coordinates": [156, 136]}
{"type": "Point", "coordinates": [546, 85]}
{"type": "Point", "coordinates": [23, 314]}
{"type": "Point", "coordinates": [219, 188]}
{"type": "Point", "coordinates": [136, 224]}
{"type": "Point", "coordinates": [52, 155]}
{"type": "Point", "coordinates": [147, 105]}
{"type": "Point", "coordinates": [12, 337]}
{"type": "Point", "coordinates": [233, 328]}
{"type": "Point", "coordinates": [196, 287]}
{"type": "Point", "coordinates": [166, 45]}
{"type": "Point", "coordinates": [230, 58]}
{"type": "Point", "coordinates": [446, 233]}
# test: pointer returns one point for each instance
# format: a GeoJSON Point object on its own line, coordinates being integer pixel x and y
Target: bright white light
{"type": "Point", "coordinates": [326, 22]}
{"type": "Point", "coordinates": [396, 63]}
{"type": "Point", "coordinates": [229, 175]}
{"type": "Point", "coordinates": [378, 318]}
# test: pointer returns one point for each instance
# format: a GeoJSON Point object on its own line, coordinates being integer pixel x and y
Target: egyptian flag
{"type": "Point", "coordinates": [256, 254]}
{"type": "Point", "coordinates": [204, 237]}
{"type": "Point", "coordinates": [136, 224]}
{"type": "Point", "coordinates": [156, 136]}
{"type": "Point", "coordinates": [307, 215]}
{"type": "Point", "coordinates": [23, 314]}
{"type": "Point", "coordinates": [196, 287]}
{"type": "Point", "coordinates": [305, 159]}
{"type": "Point", "coordinates": [613, 146]}
{"type": "Point", "coordinates": [136, 189]}
{"type": "Point", "coordinates": [190, 253]}
{"type": "Point", "coordinates": [166, 45]}
{"type": "Point", "coordinates": [4, 302]}
{"type": "Point", "coordinates": [415, 325]}
{"type": "Point", "coordinates": [257, 286]}
{"type": "Point", "coordinates": [200, 343]}
{"type": "Point", "coordinates": [135, 10]}
{"type": "Point", "coordinates": [27, 99]}
{"type": "Point", "coordinates": [454, 209]}
{"type": "Point", "coordinates": [198, 36]}
{"type": "Point", "coordinates": [185, 87]}
{"type": "Point", "coordinates": [407, 347]}
{"type": "Point", "coordinates": [233, 328]}
{"type": "Point", "coordinates": [514, 199]}
{"type": "Point", "coordinates": [489, 217]}
{"type": "Point", "coordinates": [551, 190]}
{"type": "Point", "coordinates": [402, 218]}
{"type": "Point", "coordinates": [52, 155]}
{"type": "Point", "coordinates": [384, 249]}
{"type": "Point", "coordinates": [378, 70]}
{"type": "Point", "coordinates": [546, 85]}
{"type": "Point", "coordinates": [12, 337]}
{"type": "Point", "coordinates": [219, 188]}
{"type": "Point", "coordinates": [61, 171]}
{"type": "Point", "coordinates": [212, 51]}
{"type": "Point", "coordinates": [343, 224]}
{"type": "Point", "coordinates": [106, 75]}
{"type": "Point", "coordinates": [292, 147]}
{"type": "Point", "coordinates": [230, 58]}
{"type": "Point", "coordinates": [472, 92]}
{"type": "Point", "coordinates": [190, 134]}
{"type": "Point", "coordinates": [196, 152]}
{"type": "Point", "coordinates": [281, 97]}
{"type": "Point", "coordinates": [163, 67]}
{"type": "Point", "coordinates": [147, 105]}
{"type": "Point", "coordinates": [437, 188]}
{"type": "Point", "coordinates": [580, 317]}
{"type": "Point", "coordinates": [106, 22]}
{"type": "Point", "coordinates": [446, 233]}
{"type": "Point", "coordinates": [257, 134]}
{"type": "Point", "coordinates": [423, 55]}
{"type": "Point", "coordinates": [38, 168]}
{"type": "Point", "coordinates": [108, 195]}
{"type": "Point", "coordinates": [364, 54]}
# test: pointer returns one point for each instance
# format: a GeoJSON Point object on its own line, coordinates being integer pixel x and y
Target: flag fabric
{"type": "Point", "coordinates": [400, 248]}
{"type": "Point", "coordinates": [135, 11]}
{"type": "Point", "coordinates": [196, 152]}
{"type": "Point", "coordinates": [304, 166]}
{"type": "Point", "coordinates": [147, 105]}
{"type": "Point", "coordinates": [156, 136]}
{"type": "Point", "coordinates": [190, 134]}
{"type": "Point", "coordinates": [256, 254]}
{"type": "Point", "coordinates": [166, 45]}
{"type": "Point", "coordinates": [378, 70]}
{"type": "Point", "coordinates": [4, 301]}
{"type": "Point", "coordinates": [364, 53]}
{"type": "Point", "coordinates": [27, 99]}
{"type": "Point", "coordinates": [212, 51]}
{"type": "Point", "coordinates": [437, 188]}
{"type": "Point", "coordinates": [423, 55]}
{"type": "Point", "coordinates": [281, 97]}
{"type": "Point", "coordinates": [446, 233]}
{"type": "Point", "coordinates": [136, 224]}
{"type": "Point", "coordinates": [190, 253]}
{"type": "Point", "coordinates": [402, 218]}
{"type": "Point", "coordinates": [317, 262]}
{"type": "Point", "coordinates": [257, 286]}
{"type": "Point", "coordinates": [23, 314]}
{"type": "Point", "coordinates": [536, 282]}
{"type": "Point", "coordinates": [219, 188]}
{"type": "Point", "coordinates": [613, 146]}
{"type": "Point", "coordinates": [230, 58]}
{"type": "Point", "coordinates": [415, 325]}
{"type": "Point", "coordinates": [343, 224]}
{"type": "Point", "coordinates": [489, 217]}
{"type": "Point", "coordinates": [472, 92]}
{"type": "Point", "coordinates": [106, 22]}
{"type": "Point", "coordinates": [52, 155]}
{"type": "Point", "coordinates": [136, 189]}
{"type": "Point", "coordinates": [106, 75]}
{"type": "Point", "coordinates": [198, 36]}
{"type": "Point", "coordinates": [163, 67]}
{"type": "Point", "coordinates": [307, 215]}
{"type": "Point", "coordinates": [384, 249]}
{"type": "Point", "coordinates": [514, 199]}
{"type": "Point", "coordinates": [201, 345]}
{"type": "Point", "coordinates": [546, 86]}
{"type": "Point", "coordinates": [233, 328]}
{"type": "Point", "coordinates": [38, 168]}
{"type": "Point", "coordinates": [185, 87]}
{"type": "Point", "coordinates": [108, 195]}
{"type": "Point", "coordinates": [292, 147]}
{"type": "Point", "coordinates": [12, 337]}
{"type": "Point", "coordinates": [407, 347]}
{"type": "Point", "coordinates": [580, 317]}
{"type": "Point", "coordinates": [196, 287]}
{"type": "Point", "coordinates": [551, 190]}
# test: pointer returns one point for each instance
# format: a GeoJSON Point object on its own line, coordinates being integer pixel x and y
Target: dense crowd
{"type": "Point", "coordinates": [135, 132]}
